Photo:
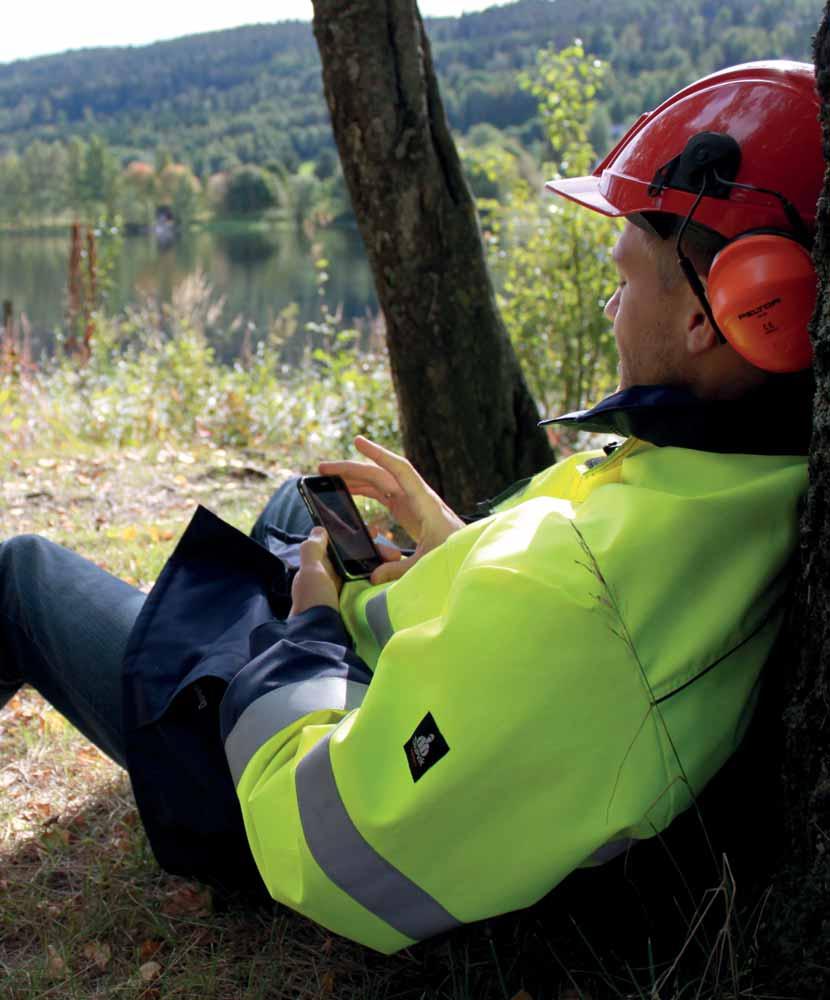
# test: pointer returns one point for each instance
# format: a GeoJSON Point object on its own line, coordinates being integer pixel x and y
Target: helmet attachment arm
{"type": "Point", "coordinates": [689, 270]}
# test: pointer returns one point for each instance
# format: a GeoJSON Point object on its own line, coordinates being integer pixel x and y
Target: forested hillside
{"type": "Point", "coordinates": [253, 94]}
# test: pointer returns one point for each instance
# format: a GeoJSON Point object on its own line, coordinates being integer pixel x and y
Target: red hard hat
{"type": "Point", "coordinates": [770, 108]}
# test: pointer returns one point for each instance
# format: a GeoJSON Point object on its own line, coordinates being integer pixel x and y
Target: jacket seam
{"type": "Point", "coordinates": [725, 656]}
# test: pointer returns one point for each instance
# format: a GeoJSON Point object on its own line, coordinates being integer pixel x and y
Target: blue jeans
{"type": "Point", "coordinates": [64, 624]}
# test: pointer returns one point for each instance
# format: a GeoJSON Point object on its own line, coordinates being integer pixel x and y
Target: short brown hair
{"type": "Point", "coordinates": [700, 244]}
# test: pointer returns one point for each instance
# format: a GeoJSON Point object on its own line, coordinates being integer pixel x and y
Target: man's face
{"type": "Point", "coordinates": [650, 312]}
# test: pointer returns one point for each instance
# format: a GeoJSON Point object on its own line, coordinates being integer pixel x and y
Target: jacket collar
{"type": "Point", "coordinates": [773, 420]}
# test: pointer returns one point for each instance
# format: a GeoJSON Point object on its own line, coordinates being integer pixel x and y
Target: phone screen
{"type": "Point", "coordinates": [330, 504]}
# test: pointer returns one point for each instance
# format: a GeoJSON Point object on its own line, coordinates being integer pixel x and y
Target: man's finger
{"type": "Point", "coordinates": [313, 549]}
{"type": "Point", "coordinates": [388, 551]}
{"type": "Point", "coordinates": [360, 477]}
{"type": "Point", "coordinates": [401, 468]}
{"type": "Point", "coordinates": [390, 571]}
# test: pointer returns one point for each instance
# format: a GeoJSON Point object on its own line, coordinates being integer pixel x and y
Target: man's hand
{"type": "Point", "coordinates": [391, 480]}
{"type": "Point", "coordinates": [315, 582]}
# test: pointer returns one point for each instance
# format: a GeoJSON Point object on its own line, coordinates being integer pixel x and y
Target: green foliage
{"type": "Point", "coordinates": [356, 363]}
{"type": "Point", "coordinates": [99, 178]}
{"type": "Point", "coordinates": [565, 85]}
{"type": "Point", "coordinates": [553, 258]}
{"type": "Point", "coordinates": [492, 168]}
{"type": "Point", "coordinates": [153, 377]}
{"type": "Point", "coordinates": [250, 191]}
{"type": "Point", "coordinates": [254, 95]}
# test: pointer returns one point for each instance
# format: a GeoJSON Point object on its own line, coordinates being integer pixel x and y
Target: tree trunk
{"type": "Point", "coordinates": [468, 421]}
{"type": "Point", "coordinates": [798, 925]}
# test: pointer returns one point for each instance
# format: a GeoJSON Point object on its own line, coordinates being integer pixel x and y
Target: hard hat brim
{"type": "Point", "coordinates": [584, 191]}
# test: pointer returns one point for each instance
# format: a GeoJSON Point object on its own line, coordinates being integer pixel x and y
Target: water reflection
{"type": "Point", "coordinates": [257, 273]}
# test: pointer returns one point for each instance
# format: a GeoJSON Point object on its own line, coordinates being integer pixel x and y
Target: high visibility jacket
{"type": "Point", "coordinates": [553, 683]}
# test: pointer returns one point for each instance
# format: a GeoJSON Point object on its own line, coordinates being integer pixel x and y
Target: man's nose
{"type": "Point", "coordinates": [612, 305]}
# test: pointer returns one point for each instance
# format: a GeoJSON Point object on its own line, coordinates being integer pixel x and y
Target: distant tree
{"type": "Point", "coordinates": [137, 204]}
{"type": "Point", "coordinates": [76, 192]}
{"type": "Point", "coordinates": [100, 177]}
{"type": "Point", "coordinates": [250, 191]}
{"type": "Point", "coordinates": [14, 189]}
{"type": "Point", "coordinates": [326, 164]}
{"type": "Point", "coordinates": [163, 159]}
{"type": "Point", "coordinates": [216, 188]}
{"type": "Point", "coordinates": [45, 165]}
{"type": "Point", "coordinates": [254, 93]}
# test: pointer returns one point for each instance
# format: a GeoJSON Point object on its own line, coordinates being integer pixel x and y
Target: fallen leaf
{"type": "Point", "coordinates": [149, 971]}
{"type": "Point", "coordinates": [57, 836]}
{"type": "Point", "coordinates": [327, 983]}
{"type": "Point", "coordinates": [187, 901]}
{"type": "Point", "coordinates": [98, 952]}
{"type": "Point", "coordinates": [148, 948]}
{"type": "Point", "coordinates": [41, 809]}
{"type": "Point", "coordinates": [55, 965]}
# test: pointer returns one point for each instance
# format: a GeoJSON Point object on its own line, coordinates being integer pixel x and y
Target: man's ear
{"type": "Point", "coordinates": [700, 334]}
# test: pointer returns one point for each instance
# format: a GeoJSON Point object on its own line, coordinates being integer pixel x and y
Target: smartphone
{"type": "Point", "coordinates": [330, 504]}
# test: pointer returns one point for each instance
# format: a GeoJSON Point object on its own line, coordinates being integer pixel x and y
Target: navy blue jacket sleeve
{"type": "Point", "coordinates": [302, 665]}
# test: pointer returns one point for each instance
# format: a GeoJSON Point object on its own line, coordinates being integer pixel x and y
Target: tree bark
{"type": "Point", "coordinates": [798, 925]}
{"type": "Point", "coordinates": [468, 420]}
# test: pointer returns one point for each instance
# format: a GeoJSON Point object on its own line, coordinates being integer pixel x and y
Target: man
{"type": "Point", "coordinates": [533, 691]}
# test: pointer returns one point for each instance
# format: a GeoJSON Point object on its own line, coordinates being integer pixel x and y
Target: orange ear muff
{"type": "Point", "coordinates": [762, 288]}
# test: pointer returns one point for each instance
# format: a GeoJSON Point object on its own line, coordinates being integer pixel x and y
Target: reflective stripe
{"type": "Point", "coordinates": [280, 708]}
{"type": "Point", "coordinates": [611, 850]}
{"type": "Point", "coordinates": [377, 616]}
{"type": "Point", "coordinates": [352, 863]}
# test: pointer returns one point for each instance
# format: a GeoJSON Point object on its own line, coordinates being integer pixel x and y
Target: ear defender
{"type": "Point", "coordinates": [762, 285]}
{"type": "Point", "coordinates": [762, 289]}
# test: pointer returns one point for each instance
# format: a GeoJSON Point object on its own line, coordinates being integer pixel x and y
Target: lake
{"type": "Point", "coordinates": [258, 272]}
